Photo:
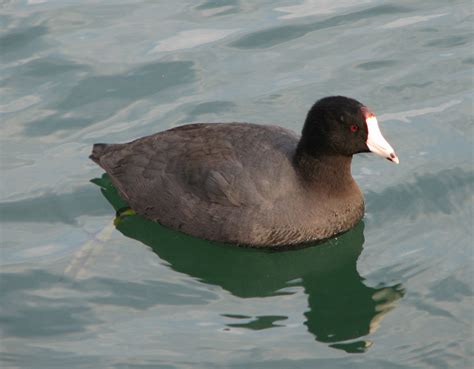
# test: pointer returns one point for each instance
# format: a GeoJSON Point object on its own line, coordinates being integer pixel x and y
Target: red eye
{"type": "Point", "coordinates": [354, 128]}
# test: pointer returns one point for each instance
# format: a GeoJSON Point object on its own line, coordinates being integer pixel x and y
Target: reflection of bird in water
{"type": "Point", "coordinates": [341, 307]}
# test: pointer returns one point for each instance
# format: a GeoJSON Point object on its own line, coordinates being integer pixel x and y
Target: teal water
{"type": "Point", "coordinates": [80, 291]}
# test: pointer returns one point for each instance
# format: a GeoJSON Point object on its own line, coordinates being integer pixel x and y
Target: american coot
{"type": "Point", "coordinates": [250, 184]}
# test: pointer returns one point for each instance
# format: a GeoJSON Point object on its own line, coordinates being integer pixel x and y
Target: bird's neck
{"type": "Point", "coordinates": [324, 169]}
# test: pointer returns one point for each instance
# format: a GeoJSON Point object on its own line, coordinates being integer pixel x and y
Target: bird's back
{"type": "Point", "coordinates": [228, 182]}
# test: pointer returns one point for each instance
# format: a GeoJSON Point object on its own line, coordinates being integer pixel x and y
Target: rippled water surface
{"type": "Point", "coordinates": [80, 291]}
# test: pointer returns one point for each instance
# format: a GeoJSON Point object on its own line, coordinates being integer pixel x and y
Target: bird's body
{"type": "Point", "coordinates": [249, 184]}
{"type": "Point", "coordinates": [196, 179]}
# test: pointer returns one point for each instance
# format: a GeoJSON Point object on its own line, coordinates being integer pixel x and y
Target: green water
{"type": "Point", "coordinates": [78, 290]}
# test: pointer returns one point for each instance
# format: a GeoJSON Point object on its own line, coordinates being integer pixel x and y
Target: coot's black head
{"type": "Point", "coordinates": [343, 126]}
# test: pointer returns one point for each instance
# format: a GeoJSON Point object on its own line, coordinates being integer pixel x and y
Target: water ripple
{"type": "Point", "coordinates": [276, 35]}
{"type": "Point", "coordinates": [104, 94]}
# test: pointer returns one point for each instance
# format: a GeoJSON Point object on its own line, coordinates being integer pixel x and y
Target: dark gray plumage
{"type": "Point", "coordinates": [256, 185]}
